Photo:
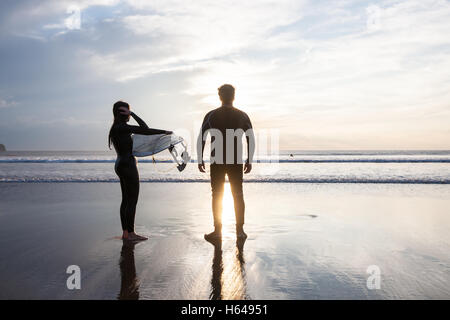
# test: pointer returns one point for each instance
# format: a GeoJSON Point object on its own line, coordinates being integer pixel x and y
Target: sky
{"type": "Point", "coordinates": [323, 74]}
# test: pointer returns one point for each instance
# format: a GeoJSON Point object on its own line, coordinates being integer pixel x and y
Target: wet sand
{"type": "Point", "coordinates": [306, 241]}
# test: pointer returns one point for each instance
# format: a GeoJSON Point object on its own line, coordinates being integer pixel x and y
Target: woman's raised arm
{"type": "Point", "coordinates": [142, 128]}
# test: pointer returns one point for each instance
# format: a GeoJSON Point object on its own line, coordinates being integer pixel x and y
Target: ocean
{"type": "Point", "coordinates": [418, 167]}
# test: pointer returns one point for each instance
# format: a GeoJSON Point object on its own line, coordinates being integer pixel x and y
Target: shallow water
{"type": "Point", "coordinates": [306, 241]}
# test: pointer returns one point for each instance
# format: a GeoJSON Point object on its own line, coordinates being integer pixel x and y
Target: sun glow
{"type": "Point", "coordinates": [228, 216]}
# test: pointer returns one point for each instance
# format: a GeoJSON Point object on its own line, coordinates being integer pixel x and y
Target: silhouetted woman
{"type": "Point", "coordinates": [126, 169]}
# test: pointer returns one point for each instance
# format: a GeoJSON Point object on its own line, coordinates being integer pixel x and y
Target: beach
{"type": "Point", "coordinates": [306, 241]}
{"type": "Point", "coordinates": [338, 112]}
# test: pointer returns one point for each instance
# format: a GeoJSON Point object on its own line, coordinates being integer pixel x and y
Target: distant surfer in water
{"type": "Point", "coordinates": [125, 167]}
{"type": "Point", "coordinates": [226, 125]}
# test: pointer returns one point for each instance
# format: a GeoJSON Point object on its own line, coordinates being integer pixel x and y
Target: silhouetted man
{"type": "Point", "coordinates": [226, 125]}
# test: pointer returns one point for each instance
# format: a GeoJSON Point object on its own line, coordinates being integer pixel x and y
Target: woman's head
{"type": "Point", "coordinates": [118, 116]}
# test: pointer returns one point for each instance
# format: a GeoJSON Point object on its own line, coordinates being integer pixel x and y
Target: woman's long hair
{"type": "Point", "coordinates": [118, 117]}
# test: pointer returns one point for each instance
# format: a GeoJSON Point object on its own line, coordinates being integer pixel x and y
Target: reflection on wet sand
{"type": "Point", "coordinates": [129, 286]}
{"type": "Point", "coordinates": [228, 280]}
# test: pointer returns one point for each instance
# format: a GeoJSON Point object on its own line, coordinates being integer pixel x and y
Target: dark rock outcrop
{"type": "Point", "coordinates": [2, 147]}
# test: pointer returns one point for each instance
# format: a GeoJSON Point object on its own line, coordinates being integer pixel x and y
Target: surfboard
{"type": "Point", "coordinates": [144, 146]}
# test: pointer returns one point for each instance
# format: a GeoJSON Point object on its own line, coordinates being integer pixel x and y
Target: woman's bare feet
{"type": "Point", "coordinates": [135, 237]}
{"type": "Point", "coordinates": [125, 235]}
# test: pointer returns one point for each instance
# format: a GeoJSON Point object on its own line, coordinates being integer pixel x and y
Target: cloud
{"type": "Point", "coordinates": [39, 121]}
{"type": "Point", "coordinates": [206, 29]}
{"type": "Point", "coordinates": [7, 103]}
{"type": "Point", "coordinates": [45, 20]}
{"type": "Point", "coordinates": [176, 37]}
{"type": "Point", "coordinates": [395, 51]}
{"type": "Point", "coordinates": [345, 73]}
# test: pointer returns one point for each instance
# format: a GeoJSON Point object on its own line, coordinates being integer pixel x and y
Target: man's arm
{"type": "Point", "coordinates": [201, 143]}
{"type": "Point", "coordinates": [251, 143]}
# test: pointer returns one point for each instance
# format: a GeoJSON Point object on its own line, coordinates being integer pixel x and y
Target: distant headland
{"type": "Point", "coordinates": [2, 147]}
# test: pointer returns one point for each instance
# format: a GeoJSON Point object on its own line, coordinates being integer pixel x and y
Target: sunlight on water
{"type": "Point", "coordinates": [228, 281]}
{"type": "Point", "coordinates": [234, 285]}
{"type": "Point", "coordinates": [228, 217]}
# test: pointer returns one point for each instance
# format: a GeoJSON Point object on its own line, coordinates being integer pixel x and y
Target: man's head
{"type": "Point", "coordinates": [226, 93]}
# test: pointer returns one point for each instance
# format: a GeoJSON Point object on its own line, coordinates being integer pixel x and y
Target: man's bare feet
{"type": "Point", "coordinates": [125, 235]}
{"type": "Point", "coordinates": [213, 236]}
{"type": "Point", "coordinates": [135, 237]}
{"type": "Point", "coordinates": [240, 234]}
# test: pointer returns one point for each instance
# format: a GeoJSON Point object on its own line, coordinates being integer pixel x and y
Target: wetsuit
{"type": "Point", "coordinates": [126, 168]}
{"type": "Point", "coordinates": [220, 120]}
